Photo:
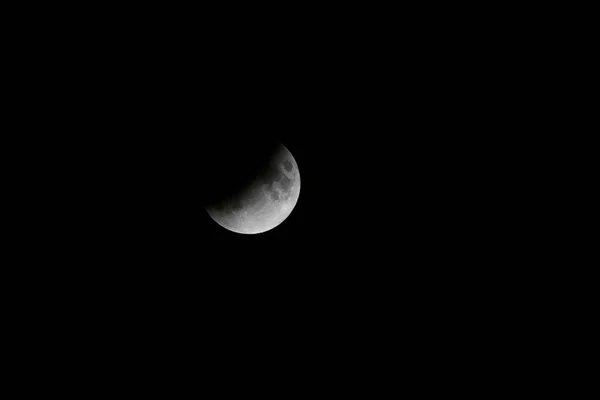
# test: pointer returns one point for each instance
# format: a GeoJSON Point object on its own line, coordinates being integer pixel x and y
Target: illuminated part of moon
{"type": "Point", "coordinates": [267, 202]}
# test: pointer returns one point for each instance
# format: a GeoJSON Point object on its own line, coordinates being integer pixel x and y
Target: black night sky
{"type": "Point", "coordinates": [376, 191]}
{"type": "Point", "coordinates": [391, 227]}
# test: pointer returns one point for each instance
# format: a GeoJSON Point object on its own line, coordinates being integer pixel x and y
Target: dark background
{"type": "Point", "coordinates": [394, 234]}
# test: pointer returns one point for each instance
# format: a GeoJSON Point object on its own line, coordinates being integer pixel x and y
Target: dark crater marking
{"type": "Point", "coordinates": [286, 183]}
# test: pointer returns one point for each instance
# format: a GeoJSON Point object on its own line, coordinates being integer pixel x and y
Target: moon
{"type": "Point", "coordinates": [267, 200]}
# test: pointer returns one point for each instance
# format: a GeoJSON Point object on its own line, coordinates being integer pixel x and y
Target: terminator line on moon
{"type": "Point", "coordinates": [266, 202]}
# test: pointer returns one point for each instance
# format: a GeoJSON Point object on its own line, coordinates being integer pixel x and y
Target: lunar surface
{"type": "Point", "coordinates": [266, 202]}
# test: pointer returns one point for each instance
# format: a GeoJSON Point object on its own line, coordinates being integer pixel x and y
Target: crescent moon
{"type": "Point", "coordinates": [267, 202]}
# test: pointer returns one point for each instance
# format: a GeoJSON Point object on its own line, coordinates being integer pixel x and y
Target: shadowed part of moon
{"type": "Point", "coordinates": [266, 202]}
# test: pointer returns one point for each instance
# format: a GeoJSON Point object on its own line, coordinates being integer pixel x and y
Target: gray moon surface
{"type": "Point", "coordinates": [267, 201]}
